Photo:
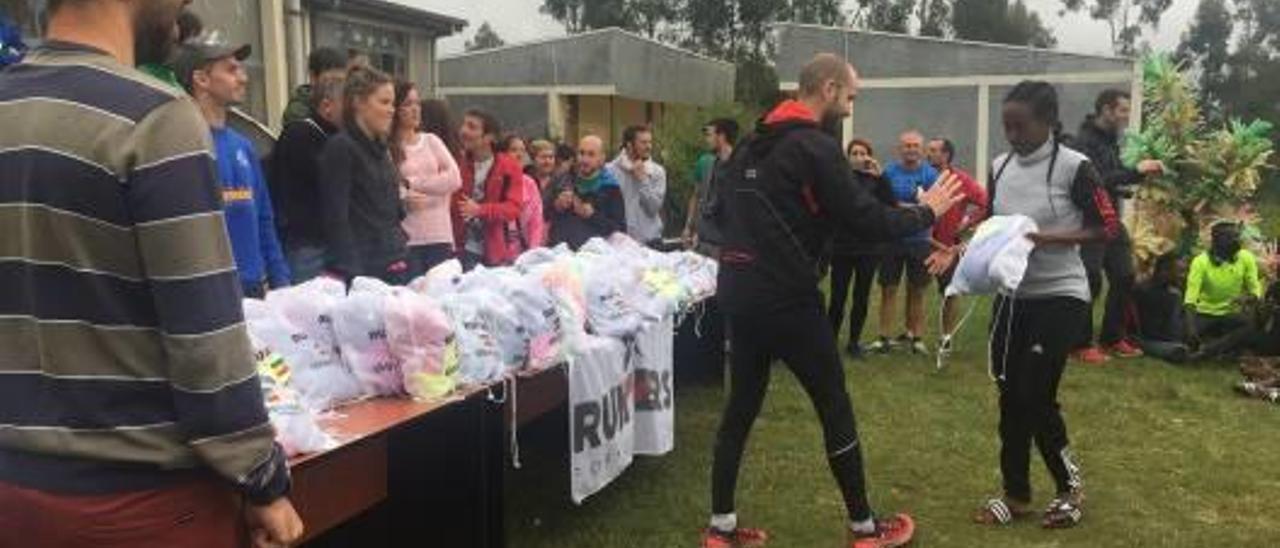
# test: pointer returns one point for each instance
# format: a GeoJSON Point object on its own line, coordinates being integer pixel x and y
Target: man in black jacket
{"type": "Point", "coordinates": [295, 179]}
{"type": "Point", "coordinates": [1099, 139]}
{"type": "Point", "coordinates": [785, 190]}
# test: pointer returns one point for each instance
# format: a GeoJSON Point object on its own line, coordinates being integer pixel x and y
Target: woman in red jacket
{"type": "Point", "coordinates": [487, 207]}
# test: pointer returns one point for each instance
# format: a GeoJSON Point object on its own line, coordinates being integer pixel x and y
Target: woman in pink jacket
{"type": "Point", "coordinates": [429, 175]}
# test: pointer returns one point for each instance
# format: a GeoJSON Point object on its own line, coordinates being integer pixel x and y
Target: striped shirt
{"type": "Point", "coordinates": [124, 360]}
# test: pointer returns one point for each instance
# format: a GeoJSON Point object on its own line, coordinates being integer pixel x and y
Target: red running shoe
{"type": "Point", "coordinates": [890, 533]}
{"type": "Point", "coordinates": [1091, 356]}
{"type": "Point", "coordinates": [1125, 350]}
{"type": "Point", "coordinates": [740, 538]}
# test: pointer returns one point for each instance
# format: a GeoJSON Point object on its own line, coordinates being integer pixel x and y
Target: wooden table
{"type": "Point", "coordinates": [406, 470]}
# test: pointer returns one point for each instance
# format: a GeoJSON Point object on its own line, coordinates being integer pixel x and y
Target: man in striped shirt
{"type": "Point", "coordinates": [130, 409]}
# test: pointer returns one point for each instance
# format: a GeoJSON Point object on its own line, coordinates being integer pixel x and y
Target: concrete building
{"type": "Point", "coordinates": [949, 88]}
{"type": "Point", "coordinates": [398, 39]}
{"type": "Point", "coordinates": [596, 82]}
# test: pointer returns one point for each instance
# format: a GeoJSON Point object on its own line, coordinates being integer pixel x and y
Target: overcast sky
{"type": "Point", "coordinates": [519, 20]}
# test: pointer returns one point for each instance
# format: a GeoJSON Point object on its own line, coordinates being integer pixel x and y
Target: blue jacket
{"type": "Point", "coordinates": [247, 204]}
{"type": "Point", "coordinates": [906, 183]}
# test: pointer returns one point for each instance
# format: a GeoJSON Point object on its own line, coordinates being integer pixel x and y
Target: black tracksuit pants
{"type": "Point", "coordinates": [1028, 355]}
{"type": "Point", "coordinates": [1114, 259]}
{"type": "Point", "coordinates": [801, 337]}
{"type": "Point", "coordinates": [861, 270]}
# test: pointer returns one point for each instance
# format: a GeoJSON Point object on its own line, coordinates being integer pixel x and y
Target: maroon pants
{"type": "Point", "coordinates": [197, 514]}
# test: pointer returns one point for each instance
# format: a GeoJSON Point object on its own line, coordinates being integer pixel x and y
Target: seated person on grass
{"type": "Point", "coordinates": [1222, 281]}
{"type": "Point", "coordinates": [1160, 328]}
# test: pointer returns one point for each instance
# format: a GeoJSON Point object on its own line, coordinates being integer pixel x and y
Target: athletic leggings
{"type": "Point", "coordinates": [861, 269]}
{"type": "Point", "coordinates": [1029, 348]}
{"type": "Point", "coordinates": [801, 338]}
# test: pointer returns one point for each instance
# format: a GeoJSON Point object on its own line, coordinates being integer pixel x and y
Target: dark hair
{"type": "Point", "coordinates": [488, 123]}
{"type": "Point", "coordinates": [361, 83]}
{"type": "Point", "coordinates": [437, 120]}
{"type": "Point", "coordinates": [403, 88]}
{"type": "Point", "coordinates": [728, 127]}
{"type": "Point", "coordinates": [504, 144]}
{"type": "Point", "coordinates": [630, 134]}
{"type": "Point", "coordinates": [325, 89]}
{"type": "Point", "coordinates": [1042, 99]}
{"type": "Point", "coordinates": [859, 142]}
{"type": "Point", "coordinates": [1109, 98]}
{"type": "Point", "coordinates": [565, 153]}
{"type": "Point", "coordinates": [947, 147]}
{"type": "Point", "coordinates": [189, 25]}
{"type": "Point", "coordinates": [324, 60]}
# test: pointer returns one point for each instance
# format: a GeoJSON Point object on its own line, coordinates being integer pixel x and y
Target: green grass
{"type": "Point", "coordinates": [1171, 458]}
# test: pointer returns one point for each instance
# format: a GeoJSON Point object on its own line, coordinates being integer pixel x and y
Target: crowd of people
{"type": "Point", "coordinates": [1153, 318]}
{"type": "Point", "coordinates": [131, 396]}
{"type": "Point", "coordinates": [369, 179]}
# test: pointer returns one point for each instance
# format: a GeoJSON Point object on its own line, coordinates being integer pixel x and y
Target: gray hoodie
{"type": "Point", "coordinates": [643, 198]}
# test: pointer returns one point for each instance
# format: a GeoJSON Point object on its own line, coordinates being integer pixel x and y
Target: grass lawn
{"type": "Point", "coordinates": [1171, 457]}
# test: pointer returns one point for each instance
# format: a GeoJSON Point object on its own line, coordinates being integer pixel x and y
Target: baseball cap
{"type": "Point", "coordinates": [203, 49]}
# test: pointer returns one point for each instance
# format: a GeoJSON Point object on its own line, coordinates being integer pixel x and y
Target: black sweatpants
{"type": "Point", "coordinates": [861, 270]}
{"type": "Point", "coordinates": [1028, 355]}
{"type": "Point", "coordinates": [801, 338]}
{"type": "Point", "coordinates": [1115, 260]}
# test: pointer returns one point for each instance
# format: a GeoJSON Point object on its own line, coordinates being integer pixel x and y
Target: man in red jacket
{"type": "Point", "coordinates": [952, 225]}
{"type": "Point", "coordinates": [488, 205]}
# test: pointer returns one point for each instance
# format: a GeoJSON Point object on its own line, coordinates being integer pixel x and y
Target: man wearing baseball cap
{"type": "Point", "coordinates": [212, 71]}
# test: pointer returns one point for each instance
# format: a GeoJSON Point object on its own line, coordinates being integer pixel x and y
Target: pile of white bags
{"type": "Point", "coordinates": [451, 328]}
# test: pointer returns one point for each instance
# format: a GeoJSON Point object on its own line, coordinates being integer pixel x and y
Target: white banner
{"type": "Point", "coordinates": [601, 415]}
{"type": "Point", "coordinates": [652, 359]}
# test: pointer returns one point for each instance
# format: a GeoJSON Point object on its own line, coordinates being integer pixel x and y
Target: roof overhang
{"type": "Point", "coordinates": [430, 22]}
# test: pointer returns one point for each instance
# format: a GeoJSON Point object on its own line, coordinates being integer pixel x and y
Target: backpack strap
{"type": "Point", "coordinates": [993, 183]}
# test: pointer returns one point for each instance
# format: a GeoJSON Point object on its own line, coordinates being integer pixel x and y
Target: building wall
{"type": "Point", "coordinates": [524, 114]}
{"type": "Point", "coordinates": [602, 62]}
{"type": "Point", "coordinates": [949, 88]}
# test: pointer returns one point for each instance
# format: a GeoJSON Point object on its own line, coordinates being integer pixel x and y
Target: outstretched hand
{"type": "Point", "coordinates": [941, 260]}
{"type": "Point", "coordinates": [944, 194]}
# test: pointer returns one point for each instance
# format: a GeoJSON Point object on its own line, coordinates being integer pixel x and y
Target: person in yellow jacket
{"type": "Point", "coordinates": [1222, 281]}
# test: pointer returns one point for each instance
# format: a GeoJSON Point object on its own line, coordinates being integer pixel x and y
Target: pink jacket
{"type": "Point", "coordinates": [432, 176]}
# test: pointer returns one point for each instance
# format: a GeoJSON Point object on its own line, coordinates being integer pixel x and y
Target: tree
{"type": "Point", "coordinates": [885, 15]}
{"type": "Point", "coordinates": [485, 38]}
{"type": "Point", "coordinates": [1205, 48]}
{"type": "Point", "coordinates": [1126, 19]}
{"type": "Point", "coordinates": [818, 12]}
{"type": "Point", "coordinates": [934, 17]}
{"type": "Point", "coordinates": [999, 22]}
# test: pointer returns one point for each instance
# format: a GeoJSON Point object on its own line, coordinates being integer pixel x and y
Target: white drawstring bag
{"type": "Point", "coordinates": [421, 336]}
{"type": "Point", "coordinates": [996, 258]}
{"type": "Point", "coordinates": [361, 331]}
{"type": "Point", "coordinates": [319, 376]}
{"type": "Point", "coordinates": [296, 429]}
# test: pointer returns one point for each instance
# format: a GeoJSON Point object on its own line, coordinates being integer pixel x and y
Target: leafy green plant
{"type": "Point", "coordinates": [1212, 173]}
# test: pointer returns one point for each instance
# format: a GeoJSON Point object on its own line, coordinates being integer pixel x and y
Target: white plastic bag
{"type": "Point", "coordinates": [360, 328]}
{"type": "Point", "coordinates": [479, 358]}
{"type": "Point", "coordinates": [421, 336]}
{"type": "Point", "coordinates": [319, 376]}
{"type": "Point", "coordinates": [295, 425]}
{"type": "Point", "coordinates": [439, 281]}
{"type": "Point", "coordinates": [996, 258]}
{"type": "Point", "coordinates": [609, 312]}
